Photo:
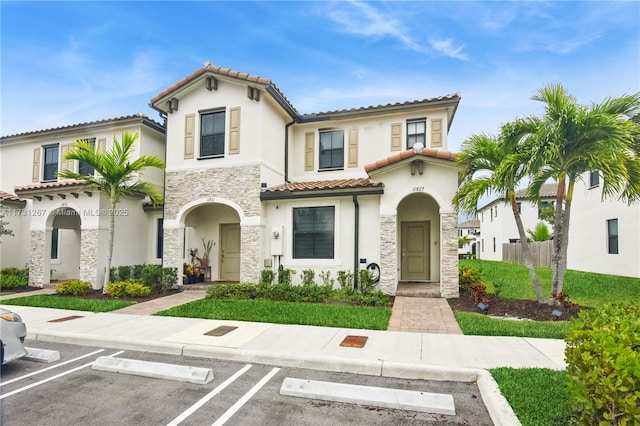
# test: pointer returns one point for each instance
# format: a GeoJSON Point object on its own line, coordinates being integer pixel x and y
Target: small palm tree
{"type": "Point", "coordinates": [115, 175]}
{"type": "Point", "coordinates": [540, 233]}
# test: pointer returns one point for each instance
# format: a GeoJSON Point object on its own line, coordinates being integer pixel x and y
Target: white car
{"type": "Point", "coordinates": [12, 334]}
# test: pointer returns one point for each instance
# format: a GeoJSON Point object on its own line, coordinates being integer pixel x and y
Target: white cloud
{"type": "Point", "coordinates": [447, 48]}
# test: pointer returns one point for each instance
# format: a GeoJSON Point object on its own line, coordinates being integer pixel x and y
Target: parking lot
{"type": "Point", "coordinates": [70, 392]}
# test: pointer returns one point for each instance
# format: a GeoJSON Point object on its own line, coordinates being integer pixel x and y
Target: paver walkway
{"type": "Point", "coordinates": [423, 315]}
{"type": "Point", "coordinates": [162, 303]}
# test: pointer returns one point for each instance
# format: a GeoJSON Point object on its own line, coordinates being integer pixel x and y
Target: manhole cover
{"type": "Point", "coordinates": [220, 331]}
{"type": "Point", "coordinates": [72, 317]}
{"type": "Point", "coordinates": [354, 341]}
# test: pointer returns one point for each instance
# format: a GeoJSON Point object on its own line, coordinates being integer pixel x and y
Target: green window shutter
{"type": "Point", "coordinates": [436, 133]}
{"type": "Point", "coordinates": [396, 136]}
{"type": "Point", "coordinates": [353, 148]}
{"type": "Point", "coordinates": [65, 164]}
{"type": "Point", "coordinates": [189, 129]}
{"type": "Point", "coordinates": [234, 130]}
{"type": "Point", "coordinates": [102, 145]}
{"type": "Point", "coordinates": [36, 165]}
{"type": "Point", "coordinates": [309, 143]}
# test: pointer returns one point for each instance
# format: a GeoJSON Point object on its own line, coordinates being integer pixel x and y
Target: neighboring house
{"type": "Point", "coordinates": [271, 187]}
{"type": "Point", "coordinates": [61, 226]}
{"type": "Point", "coordinates": [497, 225]}
{"type": "Point", "coordinates": [470, 231]}
{"type": "Point", "coordinates": [327, 191]}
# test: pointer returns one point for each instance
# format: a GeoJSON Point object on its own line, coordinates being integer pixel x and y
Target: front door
{"type": "Point", "coordinates": [230, 252]}
{"type": "Point", "coordinates": [414, 245]}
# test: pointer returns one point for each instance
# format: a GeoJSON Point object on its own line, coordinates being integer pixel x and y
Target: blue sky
{"type": "Point", "coordinates": [70, 62]}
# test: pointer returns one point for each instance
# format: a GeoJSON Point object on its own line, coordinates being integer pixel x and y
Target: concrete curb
{"type": "Point", "coordinates": [156, 370]}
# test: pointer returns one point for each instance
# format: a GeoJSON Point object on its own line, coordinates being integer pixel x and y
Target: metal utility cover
{"type": "Point", "coordinates": [220, 331]}
{"type": "Point", "coordinates": [72, 317]}
{"type": "Point", "coordinates": [354, 341]}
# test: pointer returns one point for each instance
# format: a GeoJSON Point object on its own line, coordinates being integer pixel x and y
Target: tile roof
{"type": "Point", "coordinates": [325, 185]}
{"type": "Point", "coordinates": [427, 152]}
{"type": "Point", "coordinates": [49, 185]}
{"type": "Point", "coordinates": [6, 196]}
{"type": "Point", "coordinates": [472, 223]}
{"type": "Point", "coordinates": [546, 191]}
{"type": "Point", "coordinates": [139, 115]}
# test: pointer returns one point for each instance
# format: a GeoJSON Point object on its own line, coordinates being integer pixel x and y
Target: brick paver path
{"type": "Point", "coordinates": [423, 315]}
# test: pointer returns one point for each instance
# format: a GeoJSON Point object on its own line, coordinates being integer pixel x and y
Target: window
{"type": "Point", "coordinates": [491, 212]}
{"type": "Point", "coordinates": [519, 207]}
{"type": "Point", "coordinates": [50, 162]}
{"type": "Point", "coordinates": [612, 236]}
{"type": "Point", "coordinates": [482, 245]}
{"type": "Point", "coordinates": [313, 232]}
{"type": "Point", "coordinates": [54, 243]}
{"type": "Point", "coordinates": [494, 244]}
{"type": "Point", "coordinates": [594, 178]}
{"type": "Point", "coordinates": [212, 134]}
{"type": "Point", "coordinates": [545, 205]}
{"type": "Point", "coordinates": [83, 168]}
{"type": "Point", "coordinates": [159, 238]}
{"type": "Point", "coordinates": [331, 149]}
{"type": "Point", "coordinates": [416, 132]}
{"type": "Point", "coordinates": [496, 211]}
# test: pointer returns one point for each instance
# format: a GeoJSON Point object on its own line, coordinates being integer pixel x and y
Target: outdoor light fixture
{"type": "Point", "coordinates": [484, 307]}
{"type": "Point", "coordinates": [556, 314]}
{"type": "Point", "coordinates": [418, 147]}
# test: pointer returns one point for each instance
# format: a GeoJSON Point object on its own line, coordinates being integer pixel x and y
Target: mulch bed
{"type": "Point", "coordinates": [525, 309]}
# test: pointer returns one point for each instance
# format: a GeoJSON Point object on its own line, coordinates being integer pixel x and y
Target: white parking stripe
{"type": "Point", "coordinates": [50, 368]}
{"type": "Point", "coordinates": [208, 396]}
{"type": "Point", "coordinates": [33, 385]}
{"type": "Point", "coordinates": [246, 397]}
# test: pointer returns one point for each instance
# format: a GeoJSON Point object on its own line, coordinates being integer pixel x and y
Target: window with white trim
{"type": "Point", "coordinates": [313, 232]}
{"type": "Point", "coordinates": [612, 236]}
{"type": "Point", "coordinates": [594, 179]}
{"type": "Point", "coordinates": [416, 132]}
{"type": "Point", "coordinates": [212, 127]}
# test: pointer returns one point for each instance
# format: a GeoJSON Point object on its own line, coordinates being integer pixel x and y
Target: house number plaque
{"type": "Point", "coordinates": [211, 199]}
{"type": "Point", "coordinates": [418, 189]}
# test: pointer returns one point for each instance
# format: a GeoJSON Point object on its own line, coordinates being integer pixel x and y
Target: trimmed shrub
{"type": "Point", "coordinates": [151, 275]}
{"type": "Point", "coordinates": [169, 278]}
{"type": "Point", "coordinates": [117, 289]}
{"type": "Point", "coordinates": [469, 278]}
{"type": "Point", "coordinates": [134, 289]}
{"type": "Point", "coordinates": [14, 278]}
{"type": "Point", "coordinates": [365, 282]}
{"type": "Point", "coordinates": [345, 278]}
{"type": "Point", "coordinates": [325, 276]}
{"type": "Point", "coordinates": [267, 276]}
{"type": "Point", "coordinates": [284, 276]}
{"type": "Point", "coordinates": [603, 363]}
{"type": "Point", "coordinates": [74, 287]}
{"type": "Point", "coordinates": [136, 272]}
{"type": "Point", "coordinates": [124, 272]}
{"type": "Point", "coordinates": [308, 277]}
{"type": "Point", "coordinates": [127, 288]}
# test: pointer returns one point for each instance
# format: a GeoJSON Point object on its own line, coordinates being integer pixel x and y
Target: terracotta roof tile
{"type": "Point", "coordinates": [6, 196]}
{"type": "Point", "coordinates": [546, 191]}
{"type": "Point", "coordinates": [427, 152]}
{"type": "Point", "coordinates": [472, 223]}
{"type": "Point", "coordinates": [47, 185]}
{"type": "Point", "coordinates": [325, 185]}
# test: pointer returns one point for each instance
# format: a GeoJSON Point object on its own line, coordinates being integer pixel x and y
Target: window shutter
{"type": "Point", "coordinates": [353, 148]}
{"type": "Point", "coordinates": [396, 136]}
{"type": "Point", "coordinates": [436, 133]}
{"type": "Point", "coordinates": [36, 165]}
{"type": "Point", "coordinates": [234, 130]}
{"type": "Point", "coordinates": [309, 143]}
{"type": "Point", "coordinates": [189, 128]}
{"type": "Point", "coordinates": [65, 164]}
{"type": "Point", "coordinates": [102, 145]}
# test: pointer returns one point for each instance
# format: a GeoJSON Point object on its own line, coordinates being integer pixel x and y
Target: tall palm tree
{"type": "Point", "coordinates": [496, 165]}
{"type": "Point", "coordinates": [570, 140]}
{"type": "Point", "coordinates": [115, 175]}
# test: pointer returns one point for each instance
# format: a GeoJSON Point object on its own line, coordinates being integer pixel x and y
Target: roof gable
{"type": "Point", "coordinates": [438, 154]}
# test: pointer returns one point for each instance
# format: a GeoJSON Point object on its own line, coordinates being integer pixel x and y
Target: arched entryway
{"type": "Point", "coordinates": [63, 245]}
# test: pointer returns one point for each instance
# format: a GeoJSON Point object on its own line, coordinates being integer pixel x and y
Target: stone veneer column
{"type": "Point", "coordinates": [36, 262]}
{"type": "Point", "coordinates": [250, 254]}
{"type": "Point", "coordinates": [388, 254]}
{"type": "Point", "coordinates": [449, 286]}
{"type": "Point", "coordinates": [172, 251]}
{"type": "Point", "coordinates": [89, 257]}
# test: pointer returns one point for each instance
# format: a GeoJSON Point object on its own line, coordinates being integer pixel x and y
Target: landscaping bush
{"type": "Point", "coordinates": [345, 278]}
{"type": "Point", "coordinates": [151, 275]}
{"type": "Point", "coordinates": [169, 278]}
{"type": "Point", "coordinates": [325, 276]}
{"type": "Point", "coordinates": [124, 272]}
{"type": "Point", "coordinates": [117, 289]}
{"type": "Point", "coordinates": [136, 272]}
{"type": "Point", "coordinates": [284, 276]}
{"type": "Point", "coordinates": [74, 287]}
{"type": "Point", "coordinates": [308, 277]}
{"type": "Point", "coordinates": [468, 278]}
{"type": "Point", "coordinates": [14, 278]}
{"type": "Point", "coordinates": [267, 276]}
{"type": "Point", "coordinates": [603, 363]}
{"type": "Point", "coordinates": [127, 288]}
{"type": "Point", "coordinates": [365, 282]}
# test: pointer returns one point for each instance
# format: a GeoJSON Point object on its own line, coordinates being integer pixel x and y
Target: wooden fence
{"type": "Point", "coordinates": [540, 251]}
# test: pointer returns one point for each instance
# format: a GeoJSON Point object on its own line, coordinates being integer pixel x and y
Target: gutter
{"type": "Point", "coordinates": [356, 236]}
{"type": "Point", "coordinates": [286, 151]}
{"type": "Point", "coordinates": [288, 195]}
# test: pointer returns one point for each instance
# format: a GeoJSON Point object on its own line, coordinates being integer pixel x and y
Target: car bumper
{"type": "Point", "coordinates": [12, 335]}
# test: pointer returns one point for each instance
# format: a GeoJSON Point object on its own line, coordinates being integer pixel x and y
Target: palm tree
{"type": "Point", "coordinates": [496, 165]}
{"type": "Point", "coordinates": [570, 140]}
{"type": "Point", "coordinates": [115, 175]}
{"type": "Point", "coordinates": [540, 232]}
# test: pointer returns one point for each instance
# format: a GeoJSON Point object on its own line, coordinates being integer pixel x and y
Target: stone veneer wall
{"type": "Point", "coordinates": [239, 184]}
{"type": "Point", "coordinates": [36, 262]}
{"type": "Point", "coordinates": [449, 285]}
{"type": "Point", "coordinates": [89, 257]}
{"type": "Point", "coordinates": [388, 254]}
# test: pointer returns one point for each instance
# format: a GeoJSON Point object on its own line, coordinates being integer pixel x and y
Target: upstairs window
{"type": "Point", "coordinates": [545, 205]}
{"type": "Point", "coordinates": [313, 232]}
{"type": "Point", "coordinates": [594, 178]}
{"type": "Point", "coordinates": [331, 150]}
{"type": "Point", "coordinates": [50, 168]}
{"type": "Point", "coordinates": [416, 132]}
{"type": "Point", "coordinates": [612, 236]}
{"type": "Point", "coordinates": [83, 168]}
{"type": "Point", "coordinates": [212, 134]}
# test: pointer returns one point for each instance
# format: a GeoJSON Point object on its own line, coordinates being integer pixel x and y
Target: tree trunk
{"type": "Point", "coordinates": [564, 242]}
{"type": "Point", "coordinates": [112, 219]}
{"type": "Point", "coordinates": [558, 235]}
{"type": "Point", "coordinates": [526, 250]}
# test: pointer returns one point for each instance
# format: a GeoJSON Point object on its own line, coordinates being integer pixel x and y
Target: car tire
{"type": "Point", "coordinates": [1, 353]}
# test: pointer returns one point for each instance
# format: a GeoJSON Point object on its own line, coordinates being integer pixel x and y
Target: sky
{"type": "Point", "coordinates": [64, 63]}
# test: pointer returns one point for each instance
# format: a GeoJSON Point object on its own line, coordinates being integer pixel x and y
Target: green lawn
{"type": "Point", "coordinates": [326, 315]}
{"type": "Point", "coordinates": [482, 325]}
{"type": "Point", "coordinates": [72, 303]}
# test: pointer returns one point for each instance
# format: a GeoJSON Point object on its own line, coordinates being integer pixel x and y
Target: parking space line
{"type": "Point", "coordinates": [246, 397]}
{"type": "Point", "coordinates": [33, 385]}
{"type": "Point", "coordinates": [50, 368]}
{"type": "Point", "coordinates": [208, 396]}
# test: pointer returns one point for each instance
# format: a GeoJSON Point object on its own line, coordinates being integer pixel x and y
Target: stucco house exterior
{"type": "Point", "coordinates": [271, 187]}
{"type": "Point", "coordinates": [60, 226]}
{"type": "Point", "coordinates": [328, 191]}
{"type": "Point", "coordinates": [469, 229]}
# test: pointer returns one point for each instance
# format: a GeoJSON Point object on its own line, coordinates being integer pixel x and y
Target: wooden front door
{"type": "Point", "coordinates": [230, 252]}
{"type": "Point", "coordinates": [414, 245]}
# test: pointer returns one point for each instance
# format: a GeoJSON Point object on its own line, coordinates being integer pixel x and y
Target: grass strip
{"type": "Point", "coordinates": [72, 303]}
{"type": "Point", "coordinates": [538, 396]}
{"type": "Point", "coordinates": [325, 315]}
{"type": "Point", "coordinates": [482, 325]}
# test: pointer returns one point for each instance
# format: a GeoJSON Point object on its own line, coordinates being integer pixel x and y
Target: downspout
{"type": "Point", "coordinates": [356, 235]}
{"type": "Point", "coordinates": [286, 151]}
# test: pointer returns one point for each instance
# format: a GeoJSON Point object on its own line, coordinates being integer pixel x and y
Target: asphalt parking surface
{"type": "Point", "coordinates": [77, 395]}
